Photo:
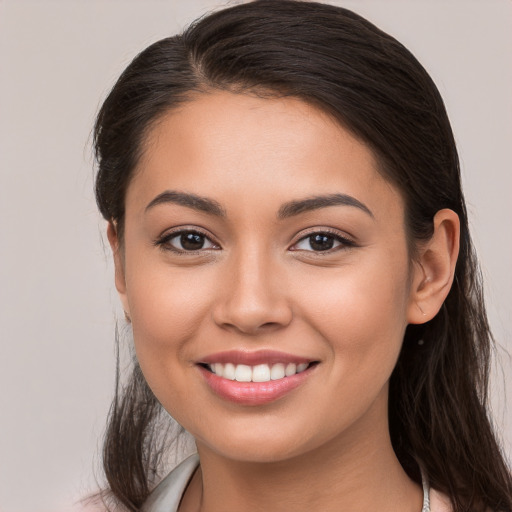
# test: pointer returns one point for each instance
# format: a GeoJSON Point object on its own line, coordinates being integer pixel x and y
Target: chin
{"type": "Point", "coordinates": [260, 453]}
{"type": "Point", "coordinates": [268, 446]}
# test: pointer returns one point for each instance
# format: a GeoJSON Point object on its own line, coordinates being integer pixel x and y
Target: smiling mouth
{"type": "Point", "coordinates": [256, 373]}
{"type": "Point", "coordinates": [253, 379]}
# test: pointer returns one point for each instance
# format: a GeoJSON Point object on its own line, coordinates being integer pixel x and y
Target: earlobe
{"type": "Point", "coordinates": [434, 268]}
{"type": "Point", "coordinates": [120, 281]}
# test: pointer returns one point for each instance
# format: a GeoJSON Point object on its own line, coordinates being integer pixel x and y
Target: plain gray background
{"type": "Point", "coordinates": [58, 59]}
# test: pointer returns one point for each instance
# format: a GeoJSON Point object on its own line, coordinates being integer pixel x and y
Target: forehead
{"type": "Point", "coordinates": [228, 146]}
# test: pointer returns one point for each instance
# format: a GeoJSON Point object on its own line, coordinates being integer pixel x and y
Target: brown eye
{"type": "Point", "coordinates": [322, 242]}
{"type": "Point", "coordinates": [192, 241]}
{"type": "Point", "coordinates": [186, 241]}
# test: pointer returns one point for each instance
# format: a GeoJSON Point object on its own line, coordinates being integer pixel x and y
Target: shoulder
{"type": "Point", "coordinates": [166, 496]}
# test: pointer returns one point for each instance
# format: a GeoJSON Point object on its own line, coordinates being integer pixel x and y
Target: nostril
{"type": "Point", "coordinates": [270, 325]}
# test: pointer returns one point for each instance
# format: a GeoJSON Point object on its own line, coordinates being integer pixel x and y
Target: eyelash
{"type": "Point", "coordinates": [344, 242]}
{"type": "Point", "coordinates": [164, 242]}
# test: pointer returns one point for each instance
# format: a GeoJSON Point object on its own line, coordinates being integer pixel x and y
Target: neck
{"type": "Point", "coordinates": [357, 471]}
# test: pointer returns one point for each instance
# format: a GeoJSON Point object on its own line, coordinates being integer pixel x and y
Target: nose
{"type": "Point", "coordinates": [253, 298]}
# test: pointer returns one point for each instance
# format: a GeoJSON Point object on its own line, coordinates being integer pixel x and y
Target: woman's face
{"type": "Point", "coordinates": [260, 239]}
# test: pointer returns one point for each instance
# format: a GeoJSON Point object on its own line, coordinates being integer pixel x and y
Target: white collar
{"type": "Point", "coordinates": [167, 494]}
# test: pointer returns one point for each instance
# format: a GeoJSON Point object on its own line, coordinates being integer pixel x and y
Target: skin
{"type": "Point", "coordinates": [258, 284]}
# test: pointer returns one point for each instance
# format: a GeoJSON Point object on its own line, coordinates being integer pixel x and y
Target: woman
{"type": "Point", "coordinates": [292, 251]}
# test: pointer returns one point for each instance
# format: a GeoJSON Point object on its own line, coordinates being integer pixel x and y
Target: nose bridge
{"type": "Point", "coordinates": [254, 297]}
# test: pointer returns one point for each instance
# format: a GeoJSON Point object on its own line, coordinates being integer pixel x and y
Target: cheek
{"type": "Point", "coordinates": [360, 312]}
{"type": "Point", "coordinates": [168, 307]}
{"type": "Point", "coordinates": [168, 310]}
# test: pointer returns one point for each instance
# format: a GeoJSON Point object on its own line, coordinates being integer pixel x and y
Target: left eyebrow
{"type": "Point", "coordinates": [314, 203]}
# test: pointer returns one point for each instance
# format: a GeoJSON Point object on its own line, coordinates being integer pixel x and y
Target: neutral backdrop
{"type": "Point", "coordinates": [58, 60]}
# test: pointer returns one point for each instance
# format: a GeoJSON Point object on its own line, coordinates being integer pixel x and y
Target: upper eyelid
{"type": "Point", "coordinates": [170, 233]}
{"type": "Point", "coordinates": [173, 232]}
{"type": "Point", "coordinates": [163, 240]}
{"type": "Point", "coordinates": [346, 242]}
{"type": "Point", "coordinates": [330, 231]}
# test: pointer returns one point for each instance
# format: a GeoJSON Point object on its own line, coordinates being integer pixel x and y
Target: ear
{"type": "Point", "coordinates": [434, 268]}
{"type": "Point", "coordinates": [120, 281]}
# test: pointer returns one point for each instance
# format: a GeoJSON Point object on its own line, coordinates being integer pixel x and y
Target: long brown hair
{"type": "Point", "coordinates": [336, 60]}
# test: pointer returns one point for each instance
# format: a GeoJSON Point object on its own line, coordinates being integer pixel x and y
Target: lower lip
{"type": "Point", "coordinates": [253, 393]}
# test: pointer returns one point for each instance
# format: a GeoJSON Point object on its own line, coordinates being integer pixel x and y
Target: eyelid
{"type": "Point", "coordinates": [346, 241]}
{"type": "Point", "coordinates": [168, 235]}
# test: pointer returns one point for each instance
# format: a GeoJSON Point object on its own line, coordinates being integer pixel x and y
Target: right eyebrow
{"type": "Point", "coordinates": [193, 201]}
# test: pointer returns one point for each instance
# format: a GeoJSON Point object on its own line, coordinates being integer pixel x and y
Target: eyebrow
{"type": "Point", "coordinates": [290, 209]}
{"type": "Point", "coordinates": [314, 203]}
{"type": "Point", "coordinates": [202, 204]}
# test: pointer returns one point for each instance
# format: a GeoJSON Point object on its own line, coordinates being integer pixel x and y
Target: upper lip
{"type": "Point", "coordinates": [252, 358]}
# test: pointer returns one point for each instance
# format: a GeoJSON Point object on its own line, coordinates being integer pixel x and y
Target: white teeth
{"type": "Point", "coordinates": [277, 371]}
{"type": "Point", "coordinates": [243, 373]}
{"type": "Point", "coordinates": [261, 373]}
{"type": "Point", "coordinates": [258, 373]}
{"type": "Point", "coordinates": [228, 371]}
{"type": "Point", "coordinates": [291, 369]}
